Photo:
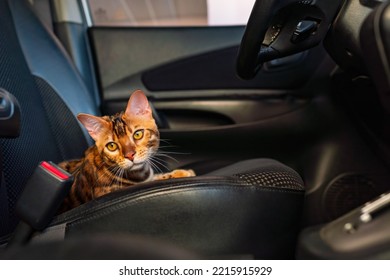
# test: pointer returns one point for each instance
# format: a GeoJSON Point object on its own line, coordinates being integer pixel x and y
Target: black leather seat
{"type": "Point", "coordinates": [251, 207]}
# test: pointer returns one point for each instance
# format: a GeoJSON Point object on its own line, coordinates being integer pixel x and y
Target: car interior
{"type": "Point", "coordinates": [285, 122]}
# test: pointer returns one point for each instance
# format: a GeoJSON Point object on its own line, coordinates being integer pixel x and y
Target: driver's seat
{"type": "Point", "coordinates": [247, 208]}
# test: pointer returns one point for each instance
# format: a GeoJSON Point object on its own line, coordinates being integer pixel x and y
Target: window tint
{"type": "Point", "coordinates": [170, 12]}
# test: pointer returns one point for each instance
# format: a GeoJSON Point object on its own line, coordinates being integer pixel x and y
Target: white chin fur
{"type": "Point", "coordinates": [128, 164]}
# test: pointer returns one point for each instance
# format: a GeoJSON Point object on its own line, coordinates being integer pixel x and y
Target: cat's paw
{"type": "Point", "coordinates": [180, 173]}
{"type": "Point", "coordinates": [177, 173]}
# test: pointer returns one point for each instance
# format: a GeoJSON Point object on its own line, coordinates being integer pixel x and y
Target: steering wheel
{"type": "Point", "coordinates": [278, 28]}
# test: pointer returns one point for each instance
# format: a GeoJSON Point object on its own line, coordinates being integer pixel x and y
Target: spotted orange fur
{"type": "Point", "coordinates": [120, 158]}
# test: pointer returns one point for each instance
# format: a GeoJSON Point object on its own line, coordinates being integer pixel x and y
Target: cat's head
{"type": "Point", "coordinates": [127, 139]}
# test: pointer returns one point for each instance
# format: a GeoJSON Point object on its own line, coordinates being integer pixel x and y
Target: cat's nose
{"type": "Point", "coordinates": [130, 155]}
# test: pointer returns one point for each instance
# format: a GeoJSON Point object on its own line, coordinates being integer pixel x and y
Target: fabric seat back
{"type": "Point", "coordinates": [44, 134]}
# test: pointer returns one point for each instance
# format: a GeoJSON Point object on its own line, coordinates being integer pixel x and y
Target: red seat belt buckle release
{"type": "Point", "coordinates": [43, 195]}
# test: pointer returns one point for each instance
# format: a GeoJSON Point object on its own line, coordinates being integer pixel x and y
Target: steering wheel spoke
{"type": "Point", "coordinates": [278, 28]}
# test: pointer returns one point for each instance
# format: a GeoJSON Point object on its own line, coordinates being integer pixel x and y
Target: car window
{"type": "Point", "coordinates": [169, 12]}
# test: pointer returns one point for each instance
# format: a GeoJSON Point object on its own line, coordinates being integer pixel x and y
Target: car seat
{"type": "Point", "coordinates": [248, 208]}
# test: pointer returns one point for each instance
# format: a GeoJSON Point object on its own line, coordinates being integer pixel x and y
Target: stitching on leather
{"type": "Point", "coordinates": [169, 184]}
{"type": "Point", "coordinates": [118, 206]}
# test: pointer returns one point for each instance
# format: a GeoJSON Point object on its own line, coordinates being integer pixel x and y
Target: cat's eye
{"type": "Point", "coordinates": [138, 134]}
{"type": "Point", "coordinates": [112, 146]}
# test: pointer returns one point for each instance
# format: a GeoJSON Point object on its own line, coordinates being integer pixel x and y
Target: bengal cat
{"type": "Point", "coordinates": [125, 144]}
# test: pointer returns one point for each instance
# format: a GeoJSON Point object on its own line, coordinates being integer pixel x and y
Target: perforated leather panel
{"type": "Point", "coordinates": [284, 180]}
{"type": "Point", "coordinates": [264, 173]}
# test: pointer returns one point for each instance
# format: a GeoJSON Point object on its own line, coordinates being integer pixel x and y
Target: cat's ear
{"type": "Point", "coordinates": [95, 126]}
{"type": "Point", "coordinates": [138, 105]}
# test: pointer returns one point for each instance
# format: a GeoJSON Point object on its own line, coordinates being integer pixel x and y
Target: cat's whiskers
{"type": "Point", "coordinates": [172, 153]}
{"type": "Point", "coordinates": [158, 162]}
{"type": "Point", "coordinates": [154, 165]}
{"type": "Point", "coordinates": [151, 158]}
{"type": "Point", "coordinates": [167, 141]}
{"type": "Point", "coordinates": [114, 173]}
{"type": "Point", "coordinates": [118, 176]}
{"type": "Point", "coordinates": [107, 175]}
{"type": "Point", "coordinates": [162, 154]}
{"type": "Point", "coordinates": [99, 168]}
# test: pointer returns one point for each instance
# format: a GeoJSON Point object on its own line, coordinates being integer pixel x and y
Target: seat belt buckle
{"type": "Point", "coordinates": [43, 195]}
